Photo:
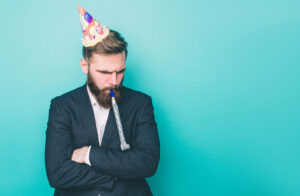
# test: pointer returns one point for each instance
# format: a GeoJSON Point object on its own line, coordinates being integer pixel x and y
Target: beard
{"type": "Point", "coordinates": [103, 98]}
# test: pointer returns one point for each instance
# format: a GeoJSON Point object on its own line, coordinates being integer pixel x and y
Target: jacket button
{"type": "Point", "coordinates": [113, 178]}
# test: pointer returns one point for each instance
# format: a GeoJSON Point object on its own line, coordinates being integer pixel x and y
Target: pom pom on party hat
{"type": "Point", "coordinates": [93, 31]}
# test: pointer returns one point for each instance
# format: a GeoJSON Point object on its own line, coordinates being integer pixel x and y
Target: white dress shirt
{"type": "Point", "coordinates": [101, 115]}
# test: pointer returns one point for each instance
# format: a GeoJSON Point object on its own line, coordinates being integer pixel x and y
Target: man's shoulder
{"type": "Point", "coordinates": [135, 95]}
{"type": "Point", "coordinates": [68, 96]}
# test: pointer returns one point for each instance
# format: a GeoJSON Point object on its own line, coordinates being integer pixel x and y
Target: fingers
{"type": "Point", "coordinates": [75, 156]}
{"type": "Point", "coordinates": [79, 154]}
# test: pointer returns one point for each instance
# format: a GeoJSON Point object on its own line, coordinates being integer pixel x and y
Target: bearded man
{"type": "Point", "coordinates": [82, 153]}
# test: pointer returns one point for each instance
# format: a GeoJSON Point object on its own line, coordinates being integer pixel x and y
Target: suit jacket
{"type": "Point", "coordinates": [71, 125]}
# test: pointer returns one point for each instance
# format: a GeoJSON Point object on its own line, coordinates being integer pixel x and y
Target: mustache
{"type": "Point", "coordinates": [116, 87]}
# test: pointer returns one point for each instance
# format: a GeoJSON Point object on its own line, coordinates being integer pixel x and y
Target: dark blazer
{"type": "Point", "coordinates": [71, 125]}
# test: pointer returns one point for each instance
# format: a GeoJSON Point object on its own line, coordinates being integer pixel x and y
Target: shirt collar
{"type": "Point", "coordinates": [92, 98]}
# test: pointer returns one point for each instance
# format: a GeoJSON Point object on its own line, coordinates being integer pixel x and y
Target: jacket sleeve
{"type": "Point", "coordinates": [62, 172]}
{"type": "Point", "coordinates": [142, 159]}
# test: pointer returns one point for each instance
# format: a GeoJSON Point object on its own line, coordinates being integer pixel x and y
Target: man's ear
{"type": "Point", "coordinates": [84, 66]}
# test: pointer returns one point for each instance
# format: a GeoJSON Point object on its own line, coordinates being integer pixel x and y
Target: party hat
{"type": "Point", "coordinates": [93, 31]}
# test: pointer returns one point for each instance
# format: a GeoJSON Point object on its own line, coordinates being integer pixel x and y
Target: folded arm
{"type": "Point", "coordinates": [62, 172]}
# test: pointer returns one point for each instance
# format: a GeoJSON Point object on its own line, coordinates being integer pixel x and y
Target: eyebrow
{"type": "Point", "coordinates": [105, 71]}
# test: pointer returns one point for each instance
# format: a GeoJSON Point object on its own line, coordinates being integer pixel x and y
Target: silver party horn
{"type": "Point", "coordinates": [124, 145]}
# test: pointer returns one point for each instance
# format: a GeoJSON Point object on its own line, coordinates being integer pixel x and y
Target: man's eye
{"type": "Point", "coordinates": [103, 72]}
{"type": "Point", "coordinates": [119, 72]}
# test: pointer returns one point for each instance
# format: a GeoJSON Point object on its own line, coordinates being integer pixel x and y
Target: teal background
{"type": "Point", "coordinates": [223, 76]}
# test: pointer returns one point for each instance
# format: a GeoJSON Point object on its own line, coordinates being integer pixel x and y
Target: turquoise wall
{"type": "Point", "coordinates": [223, 75]}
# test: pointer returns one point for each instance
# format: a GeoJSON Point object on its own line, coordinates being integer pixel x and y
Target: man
{"type": "Point", "coordinates": [82, 154]}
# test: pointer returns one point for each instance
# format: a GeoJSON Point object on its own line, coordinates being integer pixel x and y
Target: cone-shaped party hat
{"type": "Point", "coordinates": [93, 31]}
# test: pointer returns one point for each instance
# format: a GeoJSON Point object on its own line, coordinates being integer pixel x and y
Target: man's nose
{"type": "Point", "coordinates": [114, 78]}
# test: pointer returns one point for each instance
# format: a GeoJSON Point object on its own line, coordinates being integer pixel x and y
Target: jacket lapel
{"type": "Point", "coordinates": [110, 127]}
{"type": "Point", "coordinates": [89, 118]}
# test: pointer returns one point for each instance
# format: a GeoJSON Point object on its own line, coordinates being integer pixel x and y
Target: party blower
{"type": "Point", "coordinates": [124, 145]}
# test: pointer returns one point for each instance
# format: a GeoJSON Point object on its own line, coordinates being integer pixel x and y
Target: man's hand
{"type": "Point", "coordinates": [79, 154]}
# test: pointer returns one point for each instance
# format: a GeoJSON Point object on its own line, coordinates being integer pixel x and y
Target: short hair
{"type": "Point", "coordinates": [114, 43]}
